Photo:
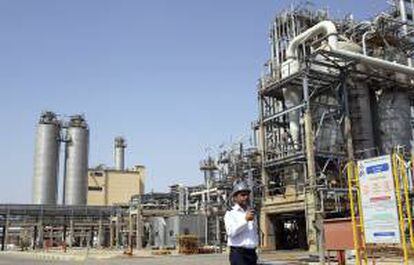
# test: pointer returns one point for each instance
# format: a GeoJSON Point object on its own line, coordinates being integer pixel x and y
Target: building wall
{"type": "Point", "coordinates": [108, 187]}
{"type": "Point", "coordinates": [96, 187]}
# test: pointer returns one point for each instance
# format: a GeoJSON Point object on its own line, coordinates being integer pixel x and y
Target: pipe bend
{"type": "Point", "coordinates": [326, 27]}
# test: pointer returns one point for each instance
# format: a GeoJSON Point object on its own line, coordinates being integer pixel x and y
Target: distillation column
{"type": "Point", "coordinates": [46, 160]}
{"type": "Point", "coordinates": [76, 179]}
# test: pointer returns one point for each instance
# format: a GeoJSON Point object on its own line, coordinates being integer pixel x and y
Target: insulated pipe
{"type": "Point", "coordinates": [329, 29]}
{"type": "Point", "coordinates": [368, 60]}
{"type": "Point", "coordinates": [364, 44]}
{"type": "Point", "coordinates": [403, 15]}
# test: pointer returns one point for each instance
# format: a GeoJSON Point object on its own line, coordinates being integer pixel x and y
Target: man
{"type": "Point", "coordinates": [241, 227]}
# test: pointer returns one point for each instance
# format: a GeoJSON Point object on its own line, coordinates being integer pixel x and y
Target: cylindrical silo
{"type": "Point", "coordinates": [119, 153]}
{"type": "Point", "coordinates": [77, 145]}
{"type": "Point", "coordinates": [394, 120]}
{"type": "Point", "coordinates": [46, 160]}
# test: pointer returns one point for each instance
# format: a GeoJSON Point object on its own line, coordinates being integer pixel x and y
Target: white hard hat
{"type": "Point", "coordinates": [240, 185]}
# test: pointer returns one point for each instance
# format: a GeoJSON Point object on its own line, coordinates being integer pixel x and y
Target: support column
{"type": "Point", "coordinates": [40, 231]}
{"type": "Point", "coordinates": [34, 239]}
{"type": "Point", "coordinates": [206, 229]}
{"type": "Point", "coordinates": [347, 121]}
{"type": "Point", "coordinates": [64, 230]}
{"type": "Point", "coordinates": [262, 149]}
{"type": "Point", "coordinates": [130, 227]}
{"type": "Point", "coordinates": [218, 230]}
{"type": "Point", "coordinates": [267, 236]}
{"type": "Point", "coordinates": [84, 242]}
{"type": "Point", "coordinates": [6, 232]}
{"type": "Point", "coordinates": [90, 237]}
{"type": "Point", "coordinates": [3, 241]}
{"type": "Point", "coordinates": [310, 186]}
{"type": "Point", "coordinates": [205, 209]}
{"type": "Point", "coordinates": [139, 227]}
{"type": "Point", "coordinates": [71, 232]}
{"type": "Point", "coordinates": [100, 233]}
{"type": "Point", "coordinates": [51, 236]}
{"type": "Point", "coordinates": [111, 234]}
{"type": "Point", "coordinates": [117, 232]}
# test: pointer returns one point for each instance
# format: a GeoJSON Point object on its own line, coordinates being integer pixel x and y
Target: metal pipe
{"type": "Point", "coordinates": [6, 232]}
{"type": "Point", "coordinates": [329, 29]}
{"type": "Point", "coordinates": [412, 9]}
{"type": "Point", "coordinates": [203, 192]}
{"type": "Point", "coordinates": [364, 45]}
{"type": "Point", "coordinates": [403, 15]}
{"type": "Point", "coordinates": [377, 62]}
{"type": "Point", "coordinates": [139, 225]}
{"type": "Point", "coordinates": [65, 141]}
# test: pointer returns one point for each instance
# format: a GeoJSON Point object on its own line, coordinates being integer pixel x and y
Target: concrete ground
{"type": "Point", "coordinates": [216, 259]}
{"type": "Point", "coordinates": [82, 258]}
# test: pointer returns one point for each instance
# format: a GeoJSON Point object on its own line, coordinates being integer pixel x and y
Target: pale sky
{"type": "Point", "coordinates": [172, 77]}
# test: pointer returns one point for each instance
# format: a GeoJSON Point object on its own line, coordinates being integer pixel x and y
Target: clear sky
{"type": "Point", "coordinates": [172, 76]}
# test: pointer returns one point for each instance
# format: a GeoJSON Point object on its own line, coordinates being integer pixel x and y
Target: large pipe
{"type": "Point", "coordinates": [403, 15]}
{"type": "Point", "coordinates": [329, 29]}
{"type": "Point", "coordinates": [326, 27]}
{"type": "Point", "coordinates": [368, 60]}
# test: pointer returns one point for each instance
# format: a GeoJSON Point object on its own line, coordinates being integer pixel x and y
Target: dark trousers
{"type": "Point", "coordinates": [242, 256]}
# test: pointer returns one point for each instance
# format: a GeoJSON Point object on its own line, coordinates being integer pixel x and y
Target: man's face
{"type": "Point", "coordinates": [242, 198]}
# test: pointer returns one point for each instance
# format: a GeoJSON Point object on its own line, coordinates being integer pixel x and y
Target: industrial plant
{"type": "Point", "coordinates": [334, 92]}
{"type": "Point", "coordinates": [93, 200]}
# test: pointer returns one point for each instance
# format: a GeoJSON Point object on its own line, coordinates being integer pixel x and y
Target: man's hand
{"type": "Point", "coordinates": [250, 215]}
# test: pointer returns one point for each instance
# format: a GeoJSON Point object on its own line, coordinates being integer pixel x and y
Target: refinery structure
{"type": "Point", "coordinates": [333, 91]}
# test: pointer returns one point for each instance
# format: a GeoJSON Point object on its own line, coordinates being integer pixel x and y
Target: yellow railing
{"type": "Point", "coordinates": [358, 230]}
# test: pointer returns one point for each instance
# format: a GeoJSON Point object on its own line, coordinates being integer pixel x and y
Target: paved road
{"type": "Point", "coordinates": [216, 259]}
{"type": "Point", "coordinates": [11, 260]}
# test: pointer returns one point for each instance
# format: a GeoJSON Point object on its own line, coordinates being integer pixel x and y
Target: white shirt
{"type": "Point", "coordinates": [240, 233]}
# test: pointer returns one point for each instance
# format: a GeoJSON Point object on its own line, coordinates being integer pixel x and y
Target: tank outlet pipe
{"type": "Point", "coordinates": [328, 28]}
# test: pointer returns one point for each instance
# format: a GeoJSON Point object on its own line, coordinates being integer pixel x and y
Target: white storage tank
{"type": "Point", "coordinates": [46, 160]}
{"type": "Point", "coordinates": [77, 148]}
